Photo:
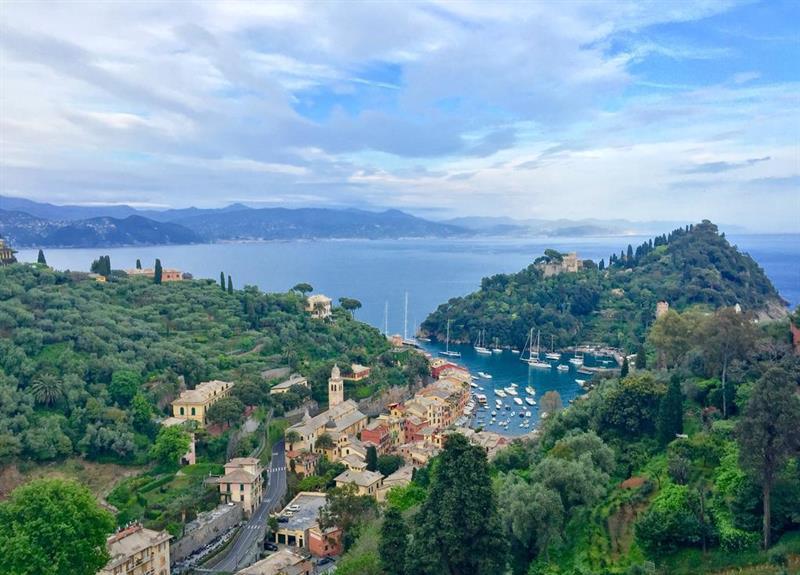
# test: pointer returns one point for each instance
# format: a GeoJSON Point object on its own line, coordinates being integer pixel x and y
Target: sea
{"type": "Point", "coordinates": [379, 273]}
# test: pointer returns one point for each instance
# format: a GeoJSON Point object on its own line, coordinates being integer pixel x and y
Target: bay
{"type": "Point", "coordinates": [431, 271]}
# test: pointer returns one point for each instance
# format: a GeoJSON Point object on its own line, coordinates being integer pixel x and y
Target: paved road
{"type": "Point", "coordinates": [239, 553]}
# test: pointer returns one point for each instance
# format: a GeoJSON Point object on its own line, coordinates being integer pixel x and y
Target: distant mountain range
{"type": "Point", "coordinates": [36, 224]}
{"type": "Point", "coordinates": [28, 223]}
{"type": "Point", "coordinates": [492, 226]}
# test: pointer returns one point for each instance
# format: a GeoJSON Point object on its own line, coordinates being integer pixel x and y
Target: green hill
{"type": "Point", "coordinates": [612, 303]}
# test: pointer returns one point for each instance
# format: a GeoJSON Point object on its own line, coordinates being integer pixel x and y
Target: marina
{"type": "Point", "coordinates": [513, 385]}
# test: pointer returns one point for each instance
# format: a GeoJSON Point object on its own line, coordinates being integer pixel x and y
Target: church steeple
{"type": "Point", "coordinates": [335, 387]}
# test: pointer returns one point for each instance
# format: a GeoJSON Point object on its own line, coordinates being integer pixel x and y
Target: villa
{"type": "Point", "coordinates": [319, 306]}
{"type": "Point", "coordinates": [193, 404]}
{"type": "Point", "coordinates": [242, 483]}
{"type": "Point", "coordinates": [6, 254]}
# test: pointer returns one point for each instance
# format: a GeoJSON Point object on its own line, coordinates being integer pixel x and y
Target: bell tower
{"type": "Point", "coordinates": [335, 388]}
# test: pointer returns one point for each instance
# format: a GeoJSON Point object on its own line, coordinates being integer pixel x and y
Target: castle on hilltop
{"type": "Point", "coordinates": [569, 263]}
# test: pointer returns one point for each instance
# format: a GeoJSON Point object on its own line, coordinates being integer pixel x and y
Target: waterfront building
{"type": "Point", "coordinates": [138, 551]}
{"type": "Point", "coordinates": [319, 306]}
{"type": "Point", "coordinates": [193, 404]}
{"type": "Point", "coordinates": [242, 483]}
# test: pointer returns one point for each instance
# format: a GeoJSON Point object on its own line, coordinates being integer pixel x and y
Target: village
{"type": "Point", "coordinates": [254, 530]}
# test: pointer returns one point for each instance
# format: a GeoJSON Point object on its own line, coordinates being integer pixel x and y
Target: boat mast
{"type": "Point", "coordinates": [405, 320]}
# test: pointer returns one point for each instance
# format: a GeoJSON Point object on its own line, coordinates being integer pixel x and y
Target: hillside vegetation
{"type": "Point", "coordinates": [614, 303]}
{"type": "Point", "coordinates": [86, 367]}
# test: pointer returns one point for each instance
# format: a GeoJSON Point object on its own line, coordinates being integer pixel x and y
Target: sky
{"type": "Point", "coordinates": [644, 110]}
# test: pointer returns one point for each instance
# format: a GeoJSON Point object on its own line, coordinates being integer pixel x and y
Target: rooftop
{"type": "Point", "coordinates": [310, 502]}
{"type": "Point", "coordinates": [294, 380]}
{"type": "Point", "coordinates": [361, 478]}
{"type": "Point", "coordinates": [279, 562]}
{"type": "Point", "coordinates": [131, 541]}
{"type": "Point", "coordinates": [238, 476]}
{"type": "Point", "coordinates": [343, 415]}
{"type": "Point", "coordinates": [203, 392]}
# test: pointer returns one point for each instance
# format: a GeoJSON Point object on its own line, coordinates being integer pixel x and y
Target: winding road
{"type": "Point", "coordinates": [246, 545]}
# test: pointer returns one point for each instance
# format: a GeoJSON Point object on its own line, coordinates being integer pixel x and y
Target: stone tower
{"type": "Point", "coordinates": [335, 388]}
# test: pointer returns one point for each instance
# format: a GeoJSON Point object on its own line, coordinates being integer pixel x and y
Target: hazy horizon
{"type": "Point", "coordinates": [659, 111]}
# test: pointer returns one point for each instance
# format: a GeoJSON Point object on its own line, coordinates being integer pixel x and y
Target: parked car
{"type": "Point", "coordinates": [325, 561]}
{"type": "Point", "coordinates": [269, 546]}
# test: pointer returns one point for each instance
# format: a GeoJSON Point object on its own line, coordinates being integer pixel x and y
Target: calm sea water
{"type": "Point", "coordinates": [380, 272]}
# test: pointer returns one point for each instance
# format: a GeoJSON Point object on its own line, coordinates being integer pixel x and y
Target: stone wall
{"type": "Point", "coordinates": [203, 530]}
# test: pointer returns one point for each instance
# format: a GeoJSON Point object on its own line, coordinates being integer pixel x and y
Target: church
{"type": "Point", "coordinates": [341, 422]}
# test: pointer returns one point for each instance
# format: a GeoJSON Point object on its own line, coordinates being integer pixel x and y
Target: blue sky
{"type": "Point", "coordinates": [644, 110]}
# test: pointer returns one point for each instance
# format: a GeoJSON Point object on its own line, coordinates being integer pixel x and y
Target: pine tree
{"type": "Point", "coordinates": [40, 258]}
{"type": "Point", "coordinates": [158, 272]}
{"type": "Point", "coordinates": [393, 542]}
{"type": "Point", "coordinates": [230, 285]}
{"type": "Point", "coordinates": [625, 368]}
{"type": "Point", "coordinates": [372, 458]}
{"type": "Point", "coordinates": [138, 264]}
{"type": "Point", "coordinates": [670, 413]}
{"type": "Point", "coordinates": [222, 280]}
{"type": "Point", "coordinates": [768, 434]}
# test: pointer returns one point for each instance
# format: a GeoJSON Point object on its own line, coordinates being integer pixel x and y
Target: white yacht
{"type": "Point", "coordinates": [530, 401]}
{"type": "Point", "coordinates": [562, 367]}
{"type": "Point", "coordinates": [447, 351]}
{"type": "Point", "coordinates": [510, 391]}
{"type": "Point", "coordinates": [553, 354]}
{"type": "Point", "coordinates": [533, 359]}
{"type": "Point", "coordinates": [518, 401]}
{"type": "Point", "coordinates": [500, 392]}
{"type": "Point", "coordinates": [484, 375]}
{"type": "Point", "coordinates": [577, 359]}
{"type": "Point", "coordinates": [480, 344]}
{"type": "Point", "coordinates": [529, 390]}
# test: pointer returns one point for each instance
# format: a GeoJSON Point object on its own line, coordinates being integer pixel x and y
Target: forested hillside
{"type": "Point", "coordinates": [86, 366]}
{"type": "Point", "coordinates": [613, 303]}
{"type": "Point", "coordinates": [663, 471]}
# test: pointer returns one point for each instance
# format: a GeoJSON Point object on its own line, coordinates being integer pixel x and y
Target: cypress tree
{"type": "Point", "coordinates": [602, 265]}
{"type": "Point", "coordinates": [641, 358]}
{"type": "Point", "coordinates": [625, 368]}
{"type": "Point", "coordinates": [40, 258]}
{"type": "Point", "coordinates": [372, 458]}
{"type": "Point", "coordinates": [158, 271]}
{"type": "Point", "coordinates": [393, 542]}
{"type": "Point", "coordinates": [138, 264]}
{"type": "Point", "coordinates": [222, 280]}
{"type": "Point", "coordinates": [230, 284]}
{"type": "Point", "coordinates": [670, 413]}
{"type": "Point", "coordinates": [458, 527]}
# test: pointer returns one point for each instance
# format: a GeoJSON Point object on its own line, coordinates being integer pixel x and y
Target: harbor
{"type": "Point", "coordinates": [506, 387]}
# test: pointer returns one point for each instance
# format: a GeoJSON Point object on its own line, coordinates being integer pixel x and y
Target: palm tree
{"type": "Point", "coordinates": [47, 389]}
{"type": "Point", "coordinates": [292, 437]}
{"type": "Point", "coordinates": [323, 442]}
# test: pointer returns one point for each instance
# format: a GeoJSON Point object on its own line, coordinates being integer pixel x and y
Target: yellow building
{"type": "Point", "coordinates": [193, 404]}
{"type": "Point", "coordinates": [366, 482]}
{"type": "Point", "coordinates": [167, 274]}
{"type": "Point", "coordinates": [242, 483]}
{"type": "Point", "coordinates": [138, 551]}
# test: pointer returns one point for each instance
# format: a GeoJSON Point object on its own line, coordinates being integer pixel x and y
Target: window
{"type": "Point", "coordinates": [182, 411]}
{"type": "Point", "coordinates": [241, 487]}
{"type": "Point", "coordinates": [194, 411]}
